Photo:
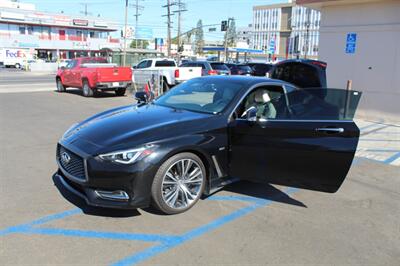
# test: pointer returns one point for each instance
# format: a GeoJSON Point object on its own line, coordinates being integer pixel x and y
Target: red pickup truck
{"type": "Point", "coordinates": [94, 73]}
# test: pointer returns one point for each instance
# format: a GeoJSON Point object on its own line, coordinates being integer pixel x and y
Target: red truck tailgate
{"type": "Point", "coordinates": [111, 74]}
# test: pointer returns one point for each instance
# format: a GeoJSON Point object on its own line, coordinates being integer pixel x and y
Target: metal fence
{"type": "Point", "coordinates": [148, 80]}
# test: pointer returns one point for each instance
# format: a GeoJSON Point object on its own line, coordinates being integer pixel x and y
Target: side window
{"type": "Point", "coordinates": [267, 102]}
{"type": "Point", "coordinates": [142, 64]}
{"type": "Point", "coordinates": [71, 64]}
{"type": "Point", "coordinates": [323, 104]}
{"type": "Point", "coordinates": [270, 102]}
{"type": "Point", "coordinates": [201, 65]}
{"type": "Point", "coordinates": [148, 63]}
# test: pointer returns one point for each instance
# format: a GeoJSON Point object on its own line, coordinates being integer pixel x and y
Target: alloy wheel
{"type": "Point", "coordinates": [182, 183]}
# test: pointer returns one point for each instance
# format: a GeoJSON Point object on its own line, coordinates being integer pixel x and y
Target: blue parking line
{"type": "Point", "coordinates": [98, 234]}
{"type": "Point", "coordinates": [167, 245]}
{"type": "Point", "coordinates": [52, 217]}
{"type": "Point", "coordinates": [392, 158]}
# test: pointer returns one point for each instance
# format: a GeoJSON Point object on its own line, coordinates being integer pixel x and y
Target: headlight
{"type": "Point", "coordinates": [128, 156]}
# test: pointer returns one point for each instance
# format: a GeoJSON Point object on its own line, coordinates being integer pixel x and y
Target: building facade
{"type": "Point", "coordinates": [244, 36]}
{"type": "Point", "coordinates": [51, 36]}
{"type": "Point", "coordinates": [286, 30]}
{"type": "Point", "coordinates": [360, 41]}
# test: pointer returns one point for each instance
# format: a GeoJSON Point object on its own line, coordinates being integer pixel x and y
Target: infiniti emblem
{"type": "Point", "coordinates": [65, 157]}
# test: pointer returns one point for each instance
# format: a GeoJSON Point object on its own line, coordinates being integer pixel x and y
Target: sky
{"type": "Point", "coordinates": [210, 11]}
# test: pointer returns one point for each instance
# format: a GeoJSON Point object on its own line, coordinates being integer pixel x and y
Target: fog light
{"type": "Point", "coordinates": [118, 195]}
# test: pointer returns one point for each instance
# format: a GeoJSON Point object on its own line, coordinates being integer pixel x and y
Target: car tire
{"type": "Point", "coordinates": [175, 191]}
{"type": "Point", "coordinates": [87, 91]}
{"type": "Point", "coordinates": [120, 91]}
{"type": "Point", "coordinates": [17, 65]}
{"type": "Point", "coordinates": [166, 86]}
{"type": "Point", "coordinates": [60, 86]}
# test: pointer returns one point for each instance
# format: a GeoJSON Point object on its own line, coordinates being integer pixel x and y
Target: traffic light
{"type": "Point", "coordinates": [224, 25]}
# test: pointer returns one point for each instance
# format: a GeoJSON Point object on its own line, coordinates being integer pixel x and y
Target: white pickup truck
{"type": "Point", "coordinates": [166, 69]}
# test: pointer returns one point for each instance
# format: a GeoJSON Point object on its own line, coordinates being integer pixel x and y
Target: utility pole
{"type": "Point", "coordinates": [85, 12]}
{"type": "Point", "coordinates": [125, 27]}
{"type": "Point", "coordinates": [181, 8]}
{"type": "Point", "coordinates": [137, 14]}
{"type": "Point", "coordinates": [226, 40]}
{"type": "Point", "coordinates": [168, 15]}
{"type": "Point", "coordinates": [308, 14]}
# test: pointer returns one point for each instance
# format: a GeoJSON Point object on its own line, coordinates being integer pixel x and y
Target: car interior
{"type": "Point", "coordinates": [269, 101]}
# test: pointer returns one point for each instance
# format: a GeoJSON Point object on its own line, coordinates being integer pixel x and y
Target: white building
{"type": "Point", "coordinates": [304, 37]}
{"type": "Point", "coordinates": [244, 36]}
{"type": "Point", "coordinates": [360, 41]}
{"type": "Point", "coordinates": [286, 30]}
{"type": "Point", "coordinates": [50, 35]}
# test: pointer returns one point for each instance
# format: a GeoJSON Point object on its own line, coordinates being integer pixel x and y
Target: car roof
{"type": "Point", "coordinates": [247, 80]}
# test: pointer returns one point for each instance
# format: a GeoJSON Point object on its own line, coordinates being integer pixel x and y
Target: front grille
{"type": "Point", "coordinates": [75, 166]}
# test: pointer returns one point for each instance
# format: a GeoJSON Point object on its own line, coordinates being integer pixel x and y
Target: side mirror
{"type": "Point", "coordinates": [62, 68]}
{"type": "Point", "coordinates": [251, 114]}
{"type": "Point", "coordinates": [141, 97]}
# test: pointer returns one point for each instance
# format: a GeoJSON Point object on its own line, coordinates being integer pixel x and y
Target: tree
{"type": "Point", "coordinates": [231, 34]}
{"type": "Point", "coordinates": [199, 38]}
{"type": "Point", "coordinates": [141, 44]}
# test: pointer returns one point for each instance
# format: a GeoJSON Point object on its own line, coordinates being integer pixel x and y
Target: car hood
{"type": "Point", "coordinates": [132, 125]}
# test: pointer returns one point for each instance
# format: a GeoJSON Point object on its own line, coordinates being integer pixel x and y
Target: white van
{"type": "Point", "coordinates": [15, 57]}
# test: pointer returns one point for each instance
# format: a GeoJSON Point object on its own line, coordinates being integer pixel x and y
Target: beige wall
{"type": "Point", "coordinates": [375, 66]}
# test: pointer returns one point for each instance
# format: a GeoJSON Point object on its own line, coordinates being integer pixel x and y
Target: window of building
{"type": "Point", "coordinates": [21, 29]}
{"type": "Point", "coordinates": [91, 34]}
{"type": "Point", "coordinates": [30, 30]}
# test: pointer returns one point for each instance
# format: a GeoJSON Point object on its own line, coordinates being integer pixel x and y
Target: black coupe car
{"type": "Point", "coordinates": [206, 133]}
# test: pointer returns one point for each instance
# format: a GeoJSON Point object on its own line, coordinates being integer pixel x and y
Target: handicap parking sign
{"type": "Point", "coordinates": [351, 41]}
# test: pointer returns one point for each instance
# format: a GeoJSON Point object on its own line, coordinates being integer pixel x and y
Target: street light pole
{"type": "Point", "coordinates": [125, 27]}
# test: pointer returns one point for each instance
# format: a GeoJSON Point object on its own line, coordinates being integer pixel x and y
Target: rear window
{"type": "Point", "coordinates": [302, 75]}
{"type": "Point", "coordinates": [219, 66]}
{"type": "Point", "coordinates": [165, 63]}
{"type": "Point", "coordinates": [94, 61]}
{"type": "Point", "coordinates": [244, 68]}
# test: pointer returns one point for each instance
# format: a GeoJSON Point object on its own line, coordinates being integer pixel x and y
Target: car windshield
{"type": "Point", "coordinates": [244, 68]}
{"type": "Point", "coordinates": [201, 95]}
{"type": "Point", "coordinates": [219, 66]}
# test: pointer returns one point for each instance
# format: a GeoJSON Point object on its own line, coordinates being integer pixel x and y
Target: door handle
{"type": "Point", "coordinates": [330, 130]}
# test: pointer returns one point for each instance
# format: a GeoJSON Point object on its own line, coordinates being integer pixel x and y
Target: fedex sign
{"type": "Point", "coordinates": [15, 54]}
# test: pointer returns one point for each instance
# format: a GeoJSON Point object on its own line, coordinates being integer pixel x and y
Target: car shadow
{"type": "Point", "coordinates": [91, 210]}
{"type": "Point", "coordinates": [261, 191]}
{"type": "Point", "coordinates": [98, 94]}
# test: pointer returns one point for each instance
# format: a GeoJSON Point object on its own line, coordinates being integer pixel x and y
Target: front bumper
{"type": "Point", "coordinates": [104, 178]}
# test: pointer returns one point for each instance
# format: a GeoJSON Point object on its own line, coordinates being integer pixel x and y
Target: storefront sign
{"type": "Point", "coordinates": [100, 24]}
{"type": "Point", "coordinates": [80, 22]}
{"type": "Point", "coordinates": [12, 15]}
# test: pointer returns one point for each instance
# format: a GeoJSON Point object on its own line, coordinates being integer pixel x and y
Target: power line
{"type": "Point", "coordinates": [168, 15]}
{"type": "Point", "coordinates": [181, 8]}
{"type": "Point", "coordinates": [136, 15]}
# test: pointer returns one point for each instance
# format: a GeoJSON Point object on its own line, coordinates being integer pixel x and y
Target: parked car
{"type": "Point", "coordinates": [93, 73]}
{"type": "Point", "coordinates": [305, 73]}
{"type": "Point", "coordinates": [63, 63]}
{"type": "Point", "coordinates": [167, 69]}
{"type": "Point", "coordinates": [240, 69]}
{"type": "Point", "coordinates": [260, 69]}
{"type": "Point", "coordinates": [209, 68]}
{"type": "Point", "coordinates": [204, 134]}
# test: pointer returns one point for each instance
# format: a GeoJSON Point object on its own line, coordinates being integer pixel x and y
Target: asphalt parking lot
{"type": "Point", "coordinates": [244, 224]}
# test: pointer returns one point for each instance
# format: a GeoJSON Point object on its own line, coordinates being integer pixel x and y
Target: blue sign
{"type": "Point", "coordinates": [271, 46]}
{"type": "Point", "coordinates": [351, 43]}
{"type": "Point", "coordinates": [144, 33]}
